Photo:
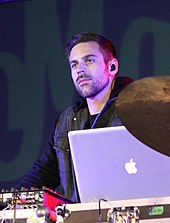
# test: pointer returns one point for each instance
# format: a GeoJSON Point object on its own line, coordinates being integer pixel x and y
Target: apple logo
{"type": "Point", "coordinates": [131, 167]}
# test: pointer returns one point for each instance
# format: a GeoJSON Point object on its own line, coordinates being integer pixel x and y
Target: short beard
{"type": "Point", "coordinates": [92, 90]}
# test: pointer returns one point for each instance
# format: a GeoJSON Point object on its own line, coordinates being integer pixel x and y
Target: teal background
{"type": "Point", "coordinates": [35, 82]}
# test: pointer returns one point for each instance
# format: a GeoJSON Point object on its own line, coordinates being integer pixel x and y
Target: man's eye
{"type": "Point", "coordinates": [73, 65]}
{"type": "Point", "coordinates": [89, 60]}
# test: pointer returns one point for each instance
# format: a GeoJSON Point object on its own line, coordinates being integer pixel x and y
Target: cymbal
{"type": "Point", "coordinates": [144, 109]}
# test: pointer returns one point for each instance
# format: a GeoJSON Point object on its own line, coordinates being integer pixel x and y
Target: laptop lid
{"type": "Point", "coordinates": [112, 164]}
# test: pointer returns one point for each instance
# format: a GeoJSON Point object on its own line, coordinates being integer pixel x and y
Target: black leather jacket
{"type": "Point", "coordinates": [54, 168]}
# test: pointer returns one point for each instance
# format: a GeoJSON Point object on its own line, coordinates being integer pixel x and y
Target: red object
{"type": "Point", "coordinates": [52, 199]}
{"type": "Point", "coordinates": [52, 216]}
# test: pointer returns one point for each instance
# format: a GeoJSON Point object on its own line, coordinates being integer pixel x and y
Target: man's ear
{"type": "Point", "coordinates": [113, 67]}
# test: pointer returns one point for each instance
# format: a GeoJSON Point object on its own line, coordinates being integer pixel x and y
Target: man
{"type": "Point", "coordinates": [94, 66]}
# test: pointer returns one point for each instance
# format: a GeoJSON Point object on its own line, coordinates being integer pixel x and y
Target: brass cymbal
{"type": "Point", "coordinates": [144, 109]}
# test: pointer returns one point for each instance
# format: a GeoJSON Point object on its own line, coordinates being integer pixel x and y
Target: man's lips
{"type": "Point", "coordinates": [83, 81]}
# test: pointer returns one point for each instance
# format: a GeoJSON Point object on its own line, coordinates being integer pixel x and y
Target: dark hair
{"type": "Point", "coordinates": [105, 46]}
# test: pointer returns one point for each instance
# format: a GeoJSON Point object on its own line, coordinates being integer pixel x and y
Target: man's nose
{"type": "Point", "coordinates": [81, 68]}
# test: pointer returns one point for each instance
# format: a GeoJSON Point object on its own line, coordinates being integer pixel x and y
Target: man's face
{"type": "Point", "coordinates": [88, 69]}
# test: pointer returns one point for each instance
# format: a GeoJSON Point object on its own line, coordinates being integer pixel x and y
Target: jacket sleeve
{"type": "Point", "coordinates": [44, 171]}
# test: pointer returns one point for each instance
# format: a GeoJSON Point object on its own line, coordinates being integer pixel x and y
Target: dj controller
{"type": "Point", "coordinates": [33, 205]}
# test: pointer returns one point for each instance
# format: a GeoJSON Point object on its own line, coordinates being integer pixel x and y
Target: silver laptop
{"type": "Point", "coordinates": [112, 164]}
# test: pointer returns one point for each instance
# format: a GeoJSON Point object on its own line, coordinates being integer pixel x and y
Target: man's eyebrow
{"type": "Point", "coordinates": [84, 57]}
{"type": "Point", "coordinates": [88, 55]}
{"type": "Point", "coordinates": [73, 61]}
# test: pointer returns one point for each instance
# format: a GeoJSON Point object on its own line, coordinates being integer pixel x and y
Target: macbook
{"type": "Point", "coordinates": [110, 163]}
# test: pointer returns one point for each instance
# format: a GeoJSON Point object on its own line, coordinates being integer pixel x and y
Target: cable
{"type": "Point", "coordinates": [100, 210]}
